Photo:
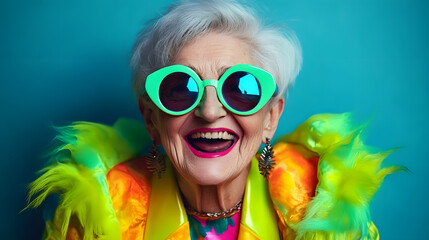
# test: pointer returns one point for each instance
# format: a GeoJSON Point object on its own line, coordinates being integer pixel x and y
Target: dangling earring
{"type": "Point", "coordinates": [155, 161]}
{"type": "Point", "coordinates": [266, 160]}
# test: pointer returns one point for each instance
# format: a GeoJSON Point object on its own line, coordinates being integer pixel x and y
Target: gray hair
{"type": "Point", "coordinates": [278, 52]}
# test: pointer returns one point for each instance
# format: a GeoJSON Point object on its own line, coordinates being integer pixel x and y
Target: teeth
{"type": "Point", "coordinates": [213, 135]}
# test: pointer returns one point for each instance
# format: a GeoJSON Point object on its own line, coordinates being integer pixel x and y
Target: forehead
{"type": "Point", "coordinates": [214, 52]}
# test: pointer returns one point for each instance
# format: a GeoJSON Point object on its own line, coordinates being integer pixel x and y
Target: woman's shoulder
{"type": "Point", "coordinates": [129, 175]}
{"type": "Point", "coordinates": [292, 183]}
{"type": "Point", "coordinates": [129, 187]}
{"type": "Point", "coordinates": [90, 172]}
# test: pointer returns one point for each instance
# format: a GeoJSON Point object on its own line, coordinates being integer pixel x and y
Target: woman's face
{"type": "Point", "coordinates": [210, 145]}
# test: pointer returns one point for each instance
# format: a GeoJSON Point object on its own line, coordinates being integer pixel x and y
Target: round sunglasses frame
{"type": "Point", "coordinates": [265, 79]}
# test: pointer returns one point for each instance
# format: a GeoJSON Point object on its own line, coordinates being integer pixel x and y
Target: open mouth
{"type": "Point", "coordinates": [211, 142]}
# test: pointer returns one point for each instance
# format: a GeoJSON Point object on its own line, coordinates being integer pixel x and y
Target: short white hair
{"type": "Point", "coordinates": [278, 52]}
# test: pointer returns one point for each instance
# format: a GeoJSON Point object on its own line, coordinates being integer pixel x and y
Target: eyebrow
{"type": "Point", "coordinates": [220, 71]}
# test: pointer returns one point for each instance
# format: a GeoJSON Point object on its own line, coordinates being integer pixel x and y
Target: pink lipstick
{"type": "Point", "coordinates": [211, 142]}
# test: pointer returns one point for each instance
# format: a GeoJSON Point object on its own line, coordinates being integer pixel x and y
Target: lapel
{"type": "Point", "coordinates": [166, 212]}
{"type": "Point", "coordinates": [167, 216]}
{"type": "Point", "coordinates": [258, 214]}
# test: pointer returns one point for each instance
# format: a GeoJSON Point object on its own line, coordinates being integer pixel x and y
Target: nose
{"type": "Point", "coordinates": [210, 108]}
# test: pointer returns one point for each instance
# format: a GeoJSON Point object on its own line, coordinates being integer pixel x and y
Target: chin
{"type": "Point", "coordinates": [216, 171]}
{"type": "Point", "coordinates": [208, 177]}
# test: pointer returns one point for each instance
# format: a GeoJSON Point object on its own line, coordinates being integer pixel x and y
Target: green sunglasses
{"type": "Point", "coordinates": [243, 89]}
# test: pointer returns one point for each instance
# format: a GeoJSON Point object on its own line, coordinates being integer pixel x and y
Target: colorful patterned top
{"type": "Point", "coordinates": [221, 228]}
{"type": "Point", "coordinates": [320, 188]}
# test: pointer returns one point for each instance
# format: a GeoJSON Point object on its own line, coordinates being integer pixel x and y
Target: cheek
{"type": "Point", "coordinates": [253, 130]}
{"type": "Point", "coordinates": [171, 140]}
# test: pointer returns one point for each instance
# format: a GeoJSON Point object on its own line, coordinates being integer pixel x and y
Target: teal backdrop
{"type": "Point", "coordinates": [62, 61]}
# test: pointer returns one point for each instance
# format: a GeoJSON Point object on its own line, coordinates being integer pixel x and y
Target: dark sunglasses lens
{"type": "Point", "coordinates": [242, 91]}
{"type": "Point", "coordinates": [178, 91]}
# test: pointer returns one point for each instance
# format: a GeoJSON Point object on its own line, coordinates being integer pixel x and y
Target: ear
{"type": "Point", "coordinates": [272, 119]}
{"type": "Point", "coordinates": [146, 109]}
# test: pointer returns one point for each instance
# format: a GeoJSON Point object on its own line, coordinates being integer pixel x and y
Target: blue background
{"type": "Point", "coordinates": [62, 61]}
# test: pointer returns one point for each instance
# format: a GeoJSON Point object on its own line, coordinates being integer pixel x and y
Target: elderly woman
{"type": "Point", "coordinates": [210, 82]}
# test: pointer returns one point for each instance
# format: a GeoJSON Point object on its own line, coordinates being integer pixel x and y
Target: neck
{"type": "Point", "coordinates": [214, 198]}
